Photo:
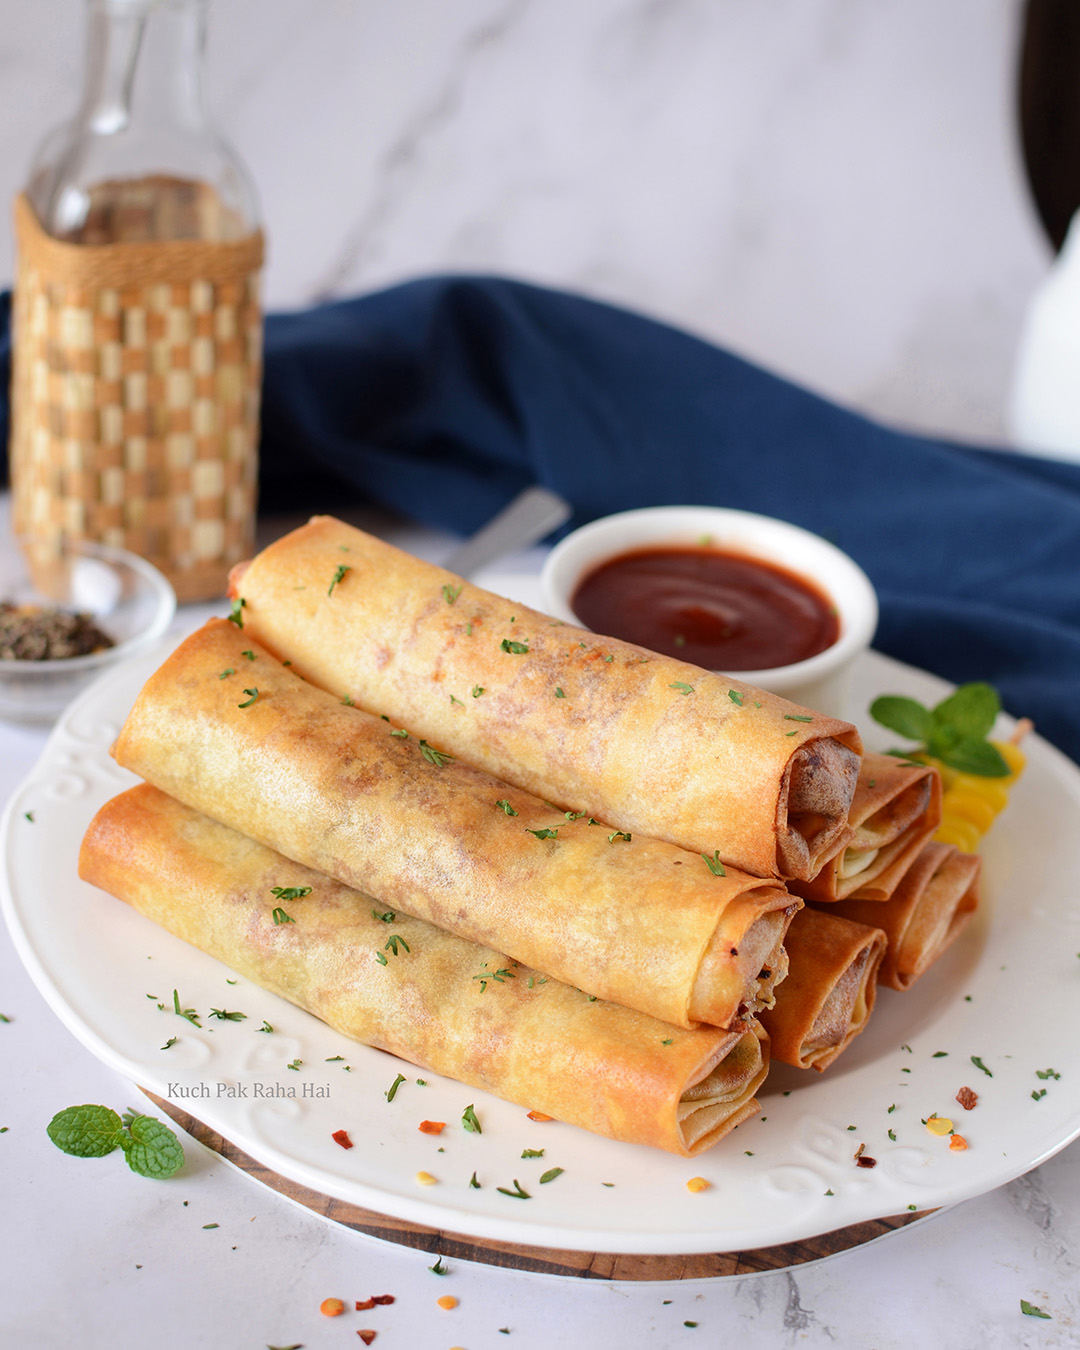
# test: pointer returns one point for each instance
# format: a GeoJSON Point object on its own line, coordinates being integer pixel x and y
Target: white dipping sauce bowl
{"type": "Point", "coordinates": [820, 683]}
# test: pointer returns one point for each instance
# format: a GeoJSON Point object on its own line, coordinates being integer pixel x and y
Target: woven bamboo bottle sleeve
{"type": "Point", "coordinates": [135, 398]}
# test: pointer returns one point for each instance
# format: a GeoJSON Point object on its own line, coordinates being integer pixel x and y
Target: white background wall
{"type": "Point", "coordinates": [831, 187]}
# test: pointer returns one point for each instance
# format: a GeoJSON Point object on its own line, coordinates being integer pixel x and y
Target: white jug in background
{"type": "Point", "coordinates": [1044, 410]}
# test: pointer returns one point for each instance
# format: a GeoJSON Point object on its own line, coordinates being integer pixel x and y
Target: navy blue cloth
{"type": "Point", "coordinates": [443, 397]}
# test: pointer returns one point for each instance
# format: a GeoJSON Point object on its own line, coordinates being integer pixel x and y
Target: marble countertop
{"type": "Point", "coordinates": [95, 1255]}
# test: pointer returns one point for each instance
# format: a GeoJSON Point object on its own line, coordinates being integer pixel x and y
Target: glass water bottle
{"type": "Point", "coordinates": [137, 331]}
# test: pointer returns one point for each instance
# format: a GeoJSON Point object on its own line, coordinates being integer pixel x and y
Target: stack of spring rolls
{"type": "Point", "coordinates": [548, 864]}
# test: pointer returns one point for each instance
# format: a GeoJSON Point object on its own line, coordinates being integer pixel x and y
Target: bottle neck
{"type": "Point", "coordinates": [144, 64]}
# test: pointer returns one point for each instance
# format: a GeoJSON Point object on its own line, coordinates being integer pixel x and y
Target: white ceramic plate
{"type": "Point", "coordinates": [1008, 992]}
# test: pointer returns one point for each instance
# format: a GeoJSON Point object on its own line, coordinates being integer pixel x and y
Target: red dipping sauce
{"type": "Point", "coordinates": [723, 611]}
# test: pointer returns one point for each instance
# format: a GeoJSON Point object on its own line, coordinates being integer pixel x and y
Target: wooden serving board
{"type": "Point", "coordinates": [544, 1260]}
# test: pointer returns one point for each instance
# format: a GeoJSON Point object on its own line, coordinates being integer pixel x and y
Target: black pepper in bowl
{"type": "Point", "coordinates": [34, 633]}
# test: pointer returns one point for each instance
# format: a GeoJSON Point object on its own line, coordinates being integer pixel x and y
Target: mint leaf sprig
{"type": "Point", "coordinates": [953, 731]}
{"type": "Point", "coordinates": [151, 1148]}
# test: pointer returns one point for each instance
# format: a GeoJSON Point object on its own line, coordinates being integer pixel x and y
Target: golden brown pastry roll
{"type": "Point", "coordinates": [653, 745]}
{"type": "Point", "coordinates": [895, 810]}
{"type": "Point", "coordinates": [228, 729]}
{"type": "Point", "coordinates": [933, 901]}
{"type": "Point", "coordinates": [830, 989]}
{"type": "Point", "coordinates": [433, 999]}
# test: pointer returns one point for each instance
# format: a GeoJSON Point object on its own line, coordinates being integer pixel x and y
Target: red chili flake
{"type": "Point", "coordinates": [366, 1305]}
{"type": "Point", "coordinates": [432, 1126]}
{"type": "Point", "coordinates": [383, 1298]}
{"type": "Point", "coordinates": [342, 1137]}
{"type": "Point", "coordinates": [865, 1161]}
{"type": "Point", "coordinates": [373, 1301]}
{"type": "Point", "coordinates": [967, 1098]}
{"type": "Point", "coordinates": [366, 1336]}
{"type": "Point", "coordinates": [539, 1115]}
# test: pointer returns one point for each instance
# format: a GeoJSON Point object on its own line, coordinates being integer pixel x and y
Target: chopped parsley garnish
{"type": "Point", "coordinates": [236, 616]}
{"type": "Point", "coordinates": [388, 917]}
{"type": "Point", "coordinates": [532, 1152]}
{"type": "Point", "coordinates": [473, 1183]}
{"type": "Point", "coordinates": [266, 1026]}
{"type": "Point", "coordinates": [391, 1092]}
{"type": "Point", "coordinates": [796, 717]}
{"type": "Point", "coordinates": [551, 1174]}
{"type": "Point", "coordinates": [469, 1120]}
{"type": "Point", "coordinates": [402, 735]}
{"type": "Point", "coordinates": [1030, 1310]}
{"type": "Point", "coordinates": [451, 593]}
{"type": "Point", "coordinates": [499, 976]}
{"type": "Point", "coordinates": [517, 1193]}
{"type": "Point", "coordinates": [477, 690]}
{"type": "Point", "coordinates": [735, 697]}
{"type": "Point", "coordinates": [381, 959]}
{"type": "Point", "coordinates": [348, 701]}
{"type": "Point", "coordinates": [1037, 1094]}
{"type": "Point", "coordinates": [295, 1065]}
{"type": "Point", "coordinates": [559, 693]}
{"type": "Point", "coordinates": [394, 941]}
{"type": "Point", "coordinates": [506, 808]}
{"type": "Point", "coordinates": [339, 577]}
{"type": "Point", "coordinates": [224, 1016]}
{"type": "Point", "coordinates": [433, 756]}
{"type": "Point", "coordinates": [1047, 1073]}
{"type": "Point", "coordinates": [892, 1136]}
{"type": "Point", "coordinates": [249, 654]}
{"type": "Point", "coordinates": [940, 1054]}
{"type": "Point", "coordinates": [458, 701]}
{"type": "Point", "coordinates": [681, 687]}
{"type": "Point", "coordinates": [169, 1043]}
{"type": "Point", "coordinates": [279, 916]}
{"type": "Point", "coordinates": [290, 892]}
{"type": "Point", "coordinates": [254, 694]}
{"type": "Point", "coordinates": [189, 1013]}
{"type": "Point", "coordinates": [980, 1065]}
{"type": "Point", "coordinates": [619, 836]}
{"type": "Point", "coordinates": [715, 866]}
{"type": "Point", "coordinates": [517, 648]}
{"type": "Point", "coordinates": [226, 673]}
{"type": "Point", "coordinates": [438, 1268]}
{"type": "Point", "coordinates": [543, 834]}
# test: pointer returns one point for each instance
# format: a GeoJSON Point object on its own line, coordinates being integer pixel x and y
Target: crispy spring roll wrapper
{"type": "Point", "coordinates": [634, 921]}
{"type": "Point", "coordinates": [650, 744]}
{"type": "Point", "coordinates": [895, 810]}
{"type": "Point", "coordinates": [936, 897]}
{"type": "Point", "coordinates": [829, 993]}
{"type": "Point", "coordinates": [606, 1068]}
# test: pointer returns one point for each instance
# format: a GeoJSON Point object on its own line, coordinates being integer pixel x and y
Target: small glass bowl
{"type": "Point", "coordinates": [128, 597]}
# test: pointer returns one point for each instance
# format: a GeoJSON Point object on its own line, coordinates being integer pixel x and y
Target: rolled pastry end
{"type": "Point", "coordinates": [723, 1096]}
{"type": "Point", "coordinates": [927, 911]}
{"type": "Point", "coordinates": [813, 806]}
{"type": "Point", "coordinates": [745, 960]}
{"type": "Point", "coordinates": [830, 991]}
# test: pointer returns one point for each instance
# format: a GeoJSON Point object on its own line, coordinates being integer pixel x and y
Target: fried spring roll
{"type": "Point", "coordinates": [895, 810]}
{"type": "Point", "coordinates": [830, 990]}
{"type": "Point", "coordinates": [520, 1036]}
{"type": "Point", "coordinates": [226, 728]}
{"type": "Point", "coordinates": [925, 913]}
{"type": "Point", "coordinates": [650, 744]}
